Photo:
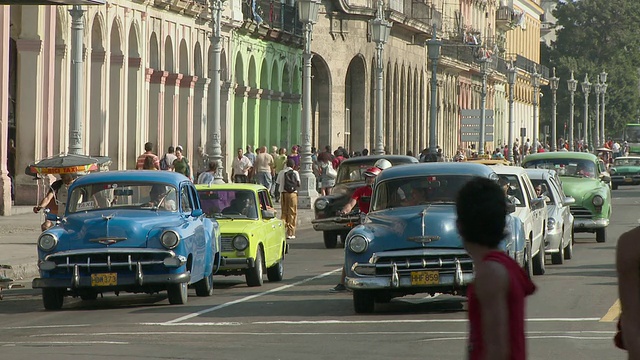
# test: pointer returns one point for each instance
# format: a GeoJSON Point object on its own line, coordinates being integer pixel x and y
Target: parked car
{"type": "Point", "coordinates": [531, 209]}
{"type": "Point", "coordinates": [559, 239]}
{"type": "Point", "coordinates": [350, 177]}
{"type": "Point", "coordinates": [583, 179]}
{"type": "Point", "coordinates": [253, 239]}
{"type": "Point", "coordinates": [625, 171]}
{"type": "Point", "coordinates": [128, 231]}
{"type": "Point", "coordinates": [409, 243]}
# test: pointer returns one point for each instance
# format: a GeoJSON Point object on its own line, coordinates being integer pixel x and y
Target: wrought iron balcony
{"type": "Point", "coordinates": [506, 18]}
{"type": "Point", "coordinates": [273, 15]}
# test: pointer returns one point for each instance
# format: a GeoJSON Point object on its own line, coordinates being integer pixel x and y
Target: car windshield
{"type": "Point", "coordinates": [545, 190]}
{"type": "Point", "coordinates": [229, 204]}
{"type": "Point", "coordinates": [351, 172]}
{"type": "Point", "coordinates": [419, 190]}
{"type": "Point", "coordinates": [143, 195]}
{"type": "Point", "coordinates": [627, 162]}
{"type": "Point", "coordinates": [565, 167]}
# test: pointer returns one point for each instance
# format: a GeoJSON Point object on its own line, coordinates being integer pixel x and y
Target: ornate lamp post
{"type": "Point", "coordinates": [586, 89]}
{"type": "Point", "coordinates": [214, 136]}
{"type": "Point", "coordinates": [308, 13]}
{"type": "Point", "coordinates": [433, 48]}
{"type": "Point", "coordinates": [380, 29]}
{"type": "Point", "coordinates": [572, 84]}
{"type": "Point", "coordinates": [535, 82]}
{"type": "Point", "coordinates": [553, 83]}
{"type": "Point", "coordinates": [603, 78]}
{"type": "Point", "coordinates": [512, 74]}
{"type": "Point", "coordinates": [76, 94]}
{"type": "Point", "coordinates": [597, 88]}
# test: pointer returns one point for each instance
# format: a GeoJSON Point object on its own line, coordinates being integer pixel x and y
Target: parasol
{"type": "Point", "coordinates": [604, 149]}
{"type": "Point", "coordinates": [65, 164]}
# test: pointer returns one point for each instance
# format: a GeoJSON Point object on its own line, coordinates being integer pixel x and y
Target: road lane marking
{"type": "Point", "coordinates": [247, 298]}
{"type": "Point", "coordinates": [608, 338]}
{"type": "Point", "coordinates": [42, 327]}
{"type": "Point", "coordinates": [613, 313]}
{"type": "Point", "coordinates": [65, 343]}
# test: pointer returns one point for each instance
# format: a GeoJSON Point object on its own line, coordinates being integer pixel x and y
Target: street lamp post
{"type": "Point", "coordinates": [214, 137]}
{"type": "Point", "coordinates": [597, 88]}
{"type": "Point", "coordinates": [586, 89]}
{"type": "Point", "coordinates": [483, 106]}
{"type": "Point", "coordinates": [603, 78]}
{"type": "Point", "coordinates": [554, 82]}
{"type": "Point", "coordinates": [75, 114]}
{"type": "Point", "coordinates": [535, 82]}
{"type": "Point", "coordinates": [572, 84]}
{"type": "Point", "coordinates": [433, 48]}
{"type": "Point", "coordinates": [380, 29]}
{"type": "Point", "coordinates": [308, 13]}
{"type": "Point", "coordinates": [512, 73]}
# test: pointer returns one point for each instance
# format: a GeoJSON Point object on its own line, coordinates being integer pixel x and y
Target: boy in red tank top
{"type": "Point", "coordinates": [496, 297]}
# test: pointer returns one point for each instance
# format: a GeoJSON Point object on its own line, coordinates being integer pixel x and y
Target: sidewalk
{"type": "Point", "coordinates": [19, 235]}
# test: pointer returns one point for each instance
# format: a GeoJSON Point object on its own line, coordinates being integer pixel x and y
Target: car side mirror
{"type": "Point", "coordinates": [268, 214]}
{"type": "Point", "coordinates": [511, 207]}
{"type": "Point", "coordinates": [197, 212]}
{"type": "Point", "coordinates": [605, 178]}
{"type": "Point", "coordinates": [568, 201]}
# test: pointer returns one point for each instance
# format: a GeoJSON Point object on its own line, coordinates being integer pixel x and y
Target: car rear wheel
{"type": "Point", "coordinates": [276, 272]}
{"type": "Point", "coordinates": [568, 250]}
{"type": "Point", "coordinates": [363, 302]}
{"type": "Point", "coordinates": [204, 287]}
{"type": "Point", "coordinates": [330, 239]}
{"type": "Point", "coordinates": [254, 275]}
{"type": "Point", "coordinates": [614, 186]}
{"type": "Point", "coordinates": [52, 298]}
{"type": "Point", "coordinates": [600, 235]}
{"type": "Point", "coordinates": [538, 260]}
{"type": "Point", "coordinates": [528, 267]}
{"type": "Point", "coordinates": [558, 257]}
{"type": "Point", "coordinates": [177, 293]}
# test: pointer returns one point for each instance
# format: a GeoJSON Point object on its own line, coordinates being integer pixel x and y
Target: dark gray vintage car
{"type": "Point", "coordinates": [350, 177]}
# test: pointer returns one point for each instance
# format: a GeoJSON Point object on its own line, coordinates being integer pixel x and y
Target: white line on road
{"type": "Point", "coordinates": [5, 343]}
{"type": "Point", "coordinates": [608, 338]}
{"type": "Point", "coordinates": [42, 327]}
{"type": "Point", "coordinates": [247, 298]}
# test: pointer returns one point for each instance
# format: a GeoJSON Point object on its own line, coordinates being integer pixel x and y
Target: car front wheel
{"type": "Point", "coordinates": [363, 302]}
{"type": "Point", "coordinates": [330, 239]}
{"type": "Point", "coordinates": [178, 293]}
{"type": "Point", "coordinates": [52, 298]}
{"type": "Point", "coordinates": [538, 261]}
{"type": "Point", "coordinates": [204, 287]}
{"type": "Point", "coordinates": [558, 257]}
{"type": "Point", "coordinates": [276, 272]}
{"type": "Point", "coordinates": [600, 235]}
{"type": "Point", "coordinates": [528, 267]}
{"type": "Point", "coordinates": [254, 275]}
{"type": "Point", "coordinates": [568, 250]}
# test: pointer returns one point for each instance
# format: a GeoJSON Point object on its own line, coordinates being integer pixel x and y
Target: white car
{"type": "Point", "coordinates": [559, 240]}
{"type": "Point", "coordinates": [532, 210]}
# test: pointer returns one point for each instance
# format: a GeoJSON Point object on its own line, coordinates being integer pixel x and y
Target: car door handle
{"type": "Point", "coordinates": [273, 226]}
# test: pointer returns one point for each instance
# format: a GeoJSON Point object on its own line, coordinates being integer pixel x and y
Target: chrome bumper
{"type": "Point", "coordinates": [238, 263]}
{"type": "Point", "coordinates": [84, 281]}
{"type": "Point", "coordinates": [622, 180]}
{"type": "Point", "coordinates": [552, 241]}
{"type": "Point", "coordinates": [586, 224]}
{"type": "Point", "coordinates": [335, 223]}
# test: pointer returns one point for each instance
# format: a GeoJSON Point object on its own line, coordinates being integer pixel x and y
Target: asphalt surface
{"type": "Point", "coordinates": [571, 316]}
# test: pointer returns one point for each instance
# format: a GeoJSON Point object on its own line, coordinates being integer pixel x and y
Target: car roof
{"type": "Point", "coordinates": [543, 174]}
{"type": "Point", "coordinates": [169, 177]}
{"type": "Point", "coordinates": [231, 186]}
{"type": "Point", "coordinates": [627, 157]}
{"type": "Point", "coordinates": [436, 168]}
{"type": "Point", "coordinates": [509, 170]}
{"type": "Point", "coordinates": [561, 155]}
{"type": "Point", "coordinates": [370, 159]}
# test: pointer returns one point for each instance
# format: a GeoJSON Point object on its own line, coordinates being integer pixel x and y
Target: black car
{"type": "Point", "coordinates": [349, 178]}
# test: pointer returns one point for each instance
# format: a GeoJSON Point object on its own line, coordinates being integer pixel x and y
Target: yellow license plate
{"type": "Point", "coordinates": [425, 278]}
{"type": "Point", "coordinates": [628, 179]}
{"type": "Point", "coordinates": [108, 279]}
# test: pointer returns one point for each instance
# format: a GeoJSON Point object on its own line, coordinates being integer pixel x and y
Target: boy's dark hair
{"type": "Point", "coordinates": [481, 207]}
{"type": "Point", "coordinates": [291, 163]}
{"type": "Point", "coordinates": [148, 146]}
{"type": "Point", "coordinates": [171, 150]}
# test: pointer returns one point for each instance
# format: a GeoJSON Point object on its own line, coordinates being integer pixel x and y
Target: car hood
{"type": "Point", "coordinates": [402, 228]}
{"type": "Point", "coordinates": [580, 189]}
{"type": "Point", "coordinates": [238, 226]}
{"type": "Point", "coordinates": [125, 228]}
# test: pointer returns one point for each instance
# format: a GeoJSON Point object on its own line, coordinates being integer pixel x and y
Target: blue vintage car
{"type": "Point", "coordinates": [409, 242]}
{"type": "Point", "coordinates": [129, 231]}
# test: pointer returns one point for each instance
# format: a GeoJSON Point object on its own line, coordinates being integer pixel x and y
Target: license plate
{"type": "Point", "coordinates": [108, 279]}
{"type": "Point", "coordinates": [628, 179]}
{"type": "Point", "coordinates": [425, 278]}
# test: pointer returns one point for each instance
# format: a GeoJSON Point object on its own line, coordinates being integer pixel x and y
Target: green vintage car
{"type": "Point", "coordinates": [625, 171]}
{"type": "Point", "coordinates": [583, 178]}
{"type": "Point", "coordinates": [253, 239]}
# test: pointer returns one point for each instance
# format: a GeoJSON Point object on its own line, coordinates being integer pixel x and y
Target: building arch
{"type": "Point", "coordinates": [252, 73]}
{"type": "Point", "coordinates": [355, 104]}
{"type": "Point", "coordinates": [169, 64]}
{"type": "Point", "coordinates": [134, 126]}
{"type": "Point", "coordinates": [183, 60]}
{"type": "Point", "coordinates": [275, 84]}
{"type": "Point", "coordinates": [264, 105]}
{"type": "Point", "coordinates": [95, 129]}
{"type": "Point", "coordinates": [115, 121]}
{"type": "Point", "coordinates": [98, 31]}
{"type": "Point", "coordinates": [154, 52]}
{"type": "Point", "coordinates": [252, 103]}
{"type": "Point", "coordinates": [197, 60]}
{"type": "Point", "coordinates": [239, 120]}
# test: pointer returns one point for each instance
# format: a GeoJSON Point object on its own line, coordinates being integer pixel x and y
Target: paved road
{"type": "Point", "coordinates": [570, 317]}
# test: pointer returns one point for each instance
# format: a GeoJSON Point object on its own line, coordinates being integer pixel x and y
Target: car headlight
{"type": "Point", "coordinates": [612, 171]}
{"type": "Point", "coordinates": [240, 242]}
{"type": "Point", "coordinates": [321, 204]}
{"type": "Point", "coordinates": [597, 200]}
{"type": "Point", "coordinates": [170, 239]}
{"type": "Point", "coordinates": [358, 244]}
{"type": "Point", "coordinates": [551, 223]}
{"type": "Point", "coordinates": [47, 242]}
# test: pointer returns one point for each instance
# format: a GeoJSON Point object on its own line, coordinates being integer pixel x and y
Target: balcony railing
{"type": "Point", "coordinates": [274, 15]}
{"type": "Point", "coordinates": [528, 66]}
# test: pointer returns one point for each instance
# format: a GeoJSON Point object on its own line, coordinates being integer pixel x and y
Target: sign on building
{"type": "Point", "coordinates": [470, 125]}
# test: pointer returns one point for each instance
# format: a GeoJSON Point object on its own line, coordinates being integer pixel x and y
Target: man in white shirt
{"type": "Point", "coordinates": [240, 168]}
{"type": "Point", "coordinates": [616, 149]}
{"type": "Point", "coordinates": [264, 167]}
{"type": "Point", "coordinates": [289, 198]}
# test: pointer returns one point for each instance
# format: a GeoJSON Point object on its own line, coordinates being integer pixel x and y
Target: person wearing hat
{"type": "Point", "coordinates": [56, 198]}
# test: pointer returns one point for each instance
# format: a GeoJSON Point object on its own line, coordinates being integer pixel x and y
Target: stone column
{"type": "Point", "coordinates": [134, 123]}
{"type": "Point", "coordinates": [61, 105]}
{"type": "Point", "coordinates": [48, 76]}
{"type": "Point", "coordinates": [171, 125]}
{"type": "Point", "coordinates": [276, 118]}
{"type": "Point", "coordinates": [186, 126]}
{"type": "Point", "coordinates": [5, 182]}
{"type": "Point", "coordinates": [200, 97]}
{"type": "Point", "coordinates": [116, 128]}
{"type": "Point", "coordinates": [96, 129]}
{"type": "Point", "coordinates": [226, 119]}
{"type": "Point", "coordinates": [156, 108]}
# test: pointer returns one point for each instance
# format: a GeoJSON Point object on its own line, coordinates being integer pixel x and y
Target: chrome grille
{"type": "Point", "coordinates": [444, 263]}
{"type": "Point", "coordinates": [109, 259]}
{"type": "Point", "coordinates": [580, 212]}
{"type": "Point", "coordinates": [225, 243]}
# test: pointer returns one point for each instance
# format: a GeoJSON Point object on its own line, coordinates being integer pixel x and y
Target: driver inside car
{"type": "Point", "coordinates": [362, 195]}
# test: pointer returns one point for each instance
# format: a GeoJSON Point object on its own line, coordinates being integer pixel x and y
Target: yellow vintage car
{"type": "Point", "coordinates": [253, 239]}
